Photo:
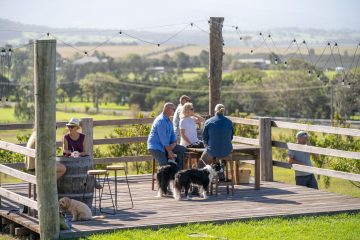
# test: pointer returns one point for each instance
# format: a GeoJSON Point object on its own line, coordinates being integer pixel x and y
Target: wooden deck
{"type": "Point", "coordinates": [273, 199]}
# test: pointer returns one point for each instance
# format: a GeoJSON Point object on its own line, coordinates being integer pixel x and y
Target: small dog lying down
{"type": "Point", "coordinates": [79, 210]}
{"type": "Point", "coordinates": [165, 177]}
{"type": "Point", "coordinates": [201, 177]}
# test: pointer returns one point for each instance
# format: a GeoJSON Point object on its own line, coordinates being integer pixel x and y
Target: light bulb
{"type": "Point", "coordinates": [276, 61]}
{"type": "Point", "coordinates": [309, 73]}
{"type": "Point", "coordinates": [252, 51]}
{"type": "Point", "coordinates": [285, 63]}
{"type": "Point", "coordinates": [343, 82]}
{"type": "Point", "coordinates": [318, 77]}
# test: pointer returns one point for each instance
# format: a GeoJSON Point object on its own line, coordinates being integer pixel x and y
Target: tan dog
{"type": "Point", "coordinates": [79, 210]}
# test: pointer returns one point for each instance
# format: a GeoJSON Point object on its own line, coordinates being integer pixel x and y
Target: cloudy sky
{"type": "Point", "coordinates": [136, 14]}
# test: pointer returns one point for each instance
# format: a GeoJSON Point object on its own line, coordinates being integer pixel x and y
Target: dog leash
{"type": "Point", "coordinates": [203, 162]}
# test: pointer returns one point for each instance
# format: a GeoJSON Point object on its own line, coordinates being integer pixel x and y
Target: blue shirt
{"type": "Point", "coordinates": [161, 134]}
{"type": "Point", "coordinates": [218, 134]}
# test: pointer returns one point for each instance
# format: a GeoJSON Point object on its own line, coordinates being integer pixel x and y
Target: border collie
{"type": "Point", "coordinates": [201, 177]}
{"type": "Point", "coordinates": [166, 176]}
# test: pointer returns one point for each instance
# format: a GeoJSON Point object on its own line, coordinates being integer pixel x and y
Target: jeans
{"type": "Point", "coordinates": [162, 157]}
{"type": "Point", "coordinates": [307, 181]}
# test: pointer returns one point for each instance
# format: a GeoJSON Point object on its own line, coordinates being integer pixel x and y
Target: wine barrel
{"type": "Point", "coordinates": [75, 183]}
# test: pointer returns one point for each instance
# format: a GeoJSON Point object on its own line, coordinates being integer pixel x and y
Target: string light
{"type": "Point", "coordinates": [318, 77]}
{"type": "Point", "coordinates": [277, 60]}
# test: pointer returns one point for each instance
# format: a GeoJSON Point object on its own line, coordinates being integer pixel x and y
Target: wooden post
{"type": "Point", "coordinates": [215, 61]}
{"type": "Point", "coordinates": [265, 149]}
{"type": "Point", "coordinates": [87, 127]}
{"type": "Point", "coordinates": [45, 118]}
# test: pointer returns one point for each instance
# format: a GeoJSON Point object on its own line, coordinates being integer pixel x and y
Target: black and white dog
{"type": "Point", "coordinates": [201, 177]}
{"type": "Point", "coordinates": [166, 176]}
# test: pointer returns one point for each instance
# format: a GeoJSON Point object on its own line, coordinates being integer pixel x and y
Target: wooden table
{"type": "Point", "coordinates": [240, 152]}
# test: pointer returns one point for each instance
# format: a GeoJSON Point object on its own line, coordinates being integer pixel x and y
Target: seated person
{"type": "Point", "coordinates": [30, 161]}
{"type": "Point", "coordinates": [218, 134]}
{"type": "Point", "coordinates": [188, 132]}
{"type": "Point", "coordinates": [162, 140]}
{"type": "Point", "coordinates": [74, 141]}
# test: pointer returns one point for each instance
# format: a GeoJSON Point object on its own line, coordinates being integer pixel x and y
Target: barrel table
{"type": "Point", "coordinates": [75, 183]}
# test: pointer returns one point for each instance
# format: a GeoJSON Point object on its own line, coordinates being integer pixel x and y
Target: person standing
{"type": "Point", "coordinates": [161, 142]}
{"type": "Point", "coordinates": [176, 119]}
{"type": "Point", "coordinates": [303, 158]}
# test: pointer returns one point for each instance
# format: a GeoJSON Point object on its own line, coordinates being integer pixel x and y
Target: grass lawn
{"type": "Point", "coordinates": [109, 106]}
{"type": "Point", "coordinates": [342, 226]}
{"type": "Point", "coordinates": [7, 115]}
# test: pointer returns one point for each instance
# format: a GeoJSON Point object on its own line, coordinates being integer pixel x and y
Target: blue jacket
{"type": "Point", "coordinates": [161, 134]}
{"type": "Point", "coordinates": [218, 134]}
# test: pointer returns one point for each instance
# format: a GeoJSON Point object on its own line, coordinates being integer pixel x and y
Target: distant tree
{"type": "Point", "coordinates": [182, 60]}
{"type": "Point", "coordinates": [98, 85]}
{"type": "Point", "coordinates": [204, 58]}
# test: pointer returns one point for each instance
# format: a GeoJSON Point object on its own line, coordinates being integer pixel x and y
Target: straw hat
{"type": "Point", "coordinates": [74, 122]}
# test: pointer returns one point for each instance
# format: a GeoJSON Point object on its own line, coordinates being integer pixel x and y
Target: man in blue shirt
{"type": "Point", "coordinates": [303, 158]}
{"type": "Point", "coordinates": [162, 140]}
{"type": "Point", "coordinates": [217, 135]}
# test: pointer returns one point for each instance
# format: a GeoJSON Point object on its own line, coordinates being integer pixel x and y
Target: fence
{"type": "Point", "coordinates": [265, 142]}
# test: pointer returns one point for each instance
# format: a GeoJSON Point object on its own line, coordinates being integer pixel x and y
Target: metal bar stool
{"type": "Point", "coordinates": [98, 197]}
{"type": "Point", "coordinates": [116, 168]}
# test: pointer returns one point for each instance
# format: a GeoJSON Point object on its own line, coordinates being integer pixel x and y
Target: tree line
{"type": "Point", "coordinates": [279, 90]}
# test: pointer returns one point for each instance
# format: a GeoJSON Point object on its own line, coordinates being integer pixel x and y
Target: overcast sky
{"type": "Point", "coordinates": [136, 14]}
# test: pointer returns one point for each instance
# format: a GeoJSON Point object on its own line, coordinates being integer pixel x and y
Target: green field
{"type": "Point", "coordinates": [342, 226]}
{"type": "Point", "coordinates": [83, 105]}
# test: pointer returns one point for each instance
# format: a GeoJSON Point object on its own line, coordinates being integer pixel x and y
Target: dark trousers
{"type": "Point", "coordinates": [162, 157]}
{"type": "Point", "coordinates": [307, 181]}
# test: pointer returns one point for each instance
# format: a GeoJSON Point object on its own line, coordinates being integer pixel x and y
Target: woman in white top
{"type": "Point", "coordinates": [188, 121]}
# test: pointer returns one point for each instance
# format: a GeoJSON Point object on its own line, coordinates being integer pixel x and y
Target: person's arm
{"type": "Point", "coordinates": [65, 146]}
{"type": "Point", "coordinates": [84, 152]}
{"type": "Point", "coordinates": [198, 119]}
{"type": "Point", "coordinates": [183, 136]}
{"type": "Point", "coordinates": [292, 160]}
{"type": "Point", "coordinates": [164, 139]}
{"type": "Point", "coordinates": [206, 135]}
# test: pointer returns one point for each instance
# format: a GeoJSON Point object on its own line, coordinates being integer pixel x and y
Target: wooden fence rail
{"type": "Point", "coordinates": [317, 128]}
{"type": "Point", "coordinates": [317, 150]}
{"type": "Point", "coordinates": [319, 171]}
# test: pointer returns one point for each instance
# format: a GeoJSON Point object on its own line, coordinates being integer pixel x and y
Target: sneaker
{"type": "Point", "coordinates": [98, 185]}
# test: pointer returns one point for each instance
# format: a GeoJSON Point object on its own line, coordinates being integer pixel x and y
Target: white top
{"type": "Point", "coordinates": [189, 124]}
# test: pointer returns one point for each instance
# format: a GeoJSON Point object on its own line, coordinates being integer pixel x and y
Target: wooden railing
{"type": "Point", "coordinates": [264, 140]}
{"type": "Point", "coordinates": [318, 150]}
{"type": "Point", "coordinates": [31, 179]}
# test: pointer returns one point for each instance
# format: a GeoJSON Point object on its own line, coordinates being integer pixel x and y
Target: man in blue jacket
{"type": "Point", "coordinates": [217, 136]}
{"type": "Point", "coordinates": [162, 140]}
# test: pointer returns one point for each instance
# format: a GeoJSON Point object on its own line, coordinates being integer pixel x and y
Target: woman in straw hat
{"type": "Point", "coordinates": [74, 142]}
